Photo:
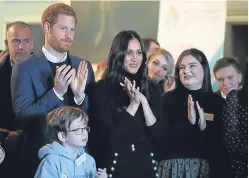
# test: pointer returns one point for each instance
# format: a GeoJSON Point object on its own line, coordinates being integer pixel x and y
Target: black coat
{"type": "Point", "coordinates": [114, 131]}
{"type": "Point", "coordinates": [178, 138]}
{"type": "Point", "coordinates": [7, 115]}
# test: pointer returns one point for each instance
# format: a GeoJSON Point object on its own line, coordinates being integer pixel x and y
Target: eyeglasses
{"type": "Point", "coordinates": [80, 130]}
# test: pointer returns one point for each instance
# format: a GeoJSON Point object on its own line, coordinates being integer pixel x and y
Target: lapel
{"type": "Point", "coordinates": [46, 70]}
{"type": "Point", "coordinates": [74, 62]}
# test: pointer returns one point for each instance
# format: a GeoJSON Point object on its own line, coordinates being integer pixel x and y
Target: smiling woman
{"type": "Point", "coordinates": [189, 129]}
{"type": "Point", "coordinates": [119, 105]}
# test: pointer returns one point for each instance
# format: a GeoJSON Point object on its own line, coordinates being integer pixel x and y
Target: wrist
{"type": "Point", "coordinates": [144, 101]}
{"type": "Point", "coordinates": [79, 97]}
{"type": "Point", "coordinates": [58, 93]}
{"type": "Point", "coordinates": [134, 104]}
{"type": "Point", "coordinates": [192, 120]}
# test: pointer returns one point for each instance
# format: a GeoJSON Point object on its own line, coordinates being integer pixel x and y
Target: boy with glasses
{"type": "Point", "coordinates": [65, 157]}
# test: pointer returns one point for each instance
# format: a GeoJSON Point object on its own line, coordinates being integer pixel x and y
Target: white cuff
{"type": "Point", "coordinates": [79, 102]}
{"type": "Point", "coordinates": [60, 97]}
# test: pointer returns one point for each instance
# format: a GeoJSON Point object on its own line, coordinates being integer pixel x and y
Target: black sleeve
{"type": "Point", "coordinates": [158, 130]}
{"type": "Point", "coordinates": [230, 129]}
{"type": "Point", "coordinates": [110, 127]}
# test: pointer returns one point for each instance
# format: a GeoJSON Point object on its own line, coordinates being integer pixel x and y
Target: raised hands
{"type": "Point", "coordinates": [192, 113]}
{"type": "Point", "coordinates": [63, 77]}
{"type": "Point", "coordinates": [191, 110]}
{"type": "Point", "coordinates": [101, 173]}
{"type": "Point", "coordinates": [131, 90]}
{"type": "Point", "coordinates": [78, 84]}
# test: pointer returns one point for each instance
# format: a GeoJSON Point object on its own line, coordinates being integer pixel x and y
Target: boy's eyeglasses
{"type": "Point", "coordinates": [80, 130]}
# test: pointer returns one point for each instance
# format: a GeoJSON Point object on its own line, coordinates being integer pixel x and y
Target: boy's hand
{"type": "Point", "coordinates": [101, 173]}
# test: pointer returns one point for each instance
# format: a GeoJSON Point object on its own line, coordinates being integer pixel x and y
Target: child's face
{"type": "Point", "coordinates": [77, 134]}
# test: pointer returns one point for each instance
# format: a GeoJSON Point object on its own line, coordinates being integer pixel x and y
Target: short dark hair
{"type": "Point", "coordinates": [226, 62]}
{"type": "Point", "coordinates": [200, 56]}
{"type": "Point", "coordinates": [52, 12]}
{"type": "Point", "coordinates": [19, 24]}
{"type": "Point", "coordinates": [147, 42]}
{"type": "Point", "coordinates": [115, 64]}
{"type": "Point", "coordinates": [60, 119]}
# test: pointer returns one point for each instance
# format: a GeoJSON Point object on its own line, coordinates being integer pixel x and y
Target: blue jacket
{"type": "Point", "coordinates": [58, 162]}
{"type": "Point", "coordinates": [32, 94]}
{"type": "Point", "coordinates": [32, 83]}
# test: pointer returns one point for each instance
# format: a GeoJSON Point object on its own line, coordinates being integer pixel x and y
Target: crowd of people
{"type": "Point", "coordinates": [139, 115]}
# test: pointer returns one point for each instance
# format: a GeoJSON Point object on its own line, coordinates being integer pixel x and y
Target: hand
{"type": "Point", "coordinates": [63, 77]}
{"type": "Point", "coordinates": [169, 84]}
{"type": "Point", "coordinates": [101, 173]}
{"type": "Point", "coordinates": [78, 85]}
{"type": "Point", "coordinates": [131, 90]}
{"type": "Point", "coordinates": [202, 122]}
{"type": "Point", "coordinates": [191, 110]}
{"type": "Point", "coordinates": [3, 57]}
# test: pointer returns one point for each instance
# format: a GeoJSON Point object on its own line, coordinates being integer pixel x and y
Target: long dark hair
{"type": "Point", "coordinates": [115, 64]}
{"type": "Point", "coordinates": [200, 56]}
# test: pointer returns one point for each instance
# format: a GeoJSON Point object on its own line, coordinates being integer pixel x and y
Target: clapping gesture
{"type": "Point", "coordinates": [132, 91]}
{"type": "Point", "coordinates": [192, 113]}
{"type": "Point", "coordinates": [78, 83]}
{"type": "Point", "coordinates": [63, 77]}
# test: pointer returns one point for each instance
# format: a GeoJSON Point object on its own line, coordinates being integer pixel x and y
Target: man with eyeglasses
{"type": "Point", "coordinates": [18, 46]}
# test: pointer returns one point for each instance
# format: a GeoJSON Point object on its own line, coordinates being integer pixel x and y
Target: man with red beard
{"type": "Point", "coordinates": [49, 79]}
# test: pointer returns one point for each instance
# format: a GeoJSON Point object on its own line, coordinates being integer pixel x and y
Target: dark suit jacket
{"type": "Point", "coordinates": [7, 115]}
{"type": "Point", "coordinates": [33, 98]}
{"type": "Point", "coordinates": [32, 86]}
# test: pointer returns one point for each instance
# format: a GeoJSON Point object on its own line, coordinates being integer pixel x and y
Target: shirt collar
{"type": "Point", "coordinates": [223, 95]}
{"type": "Point", "coordinates": [52, 58]}
{"type": "Point", "coordinates": [11, 63]}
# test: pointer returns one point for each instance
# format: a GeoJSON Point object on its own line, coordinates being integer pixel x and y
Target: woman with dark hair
{"type": "Point", "coordinates": [189, 131]}
{"type": "Point", "coordinates": [118, 138]}
{"type": "Point", "coordinates": [235, 129]}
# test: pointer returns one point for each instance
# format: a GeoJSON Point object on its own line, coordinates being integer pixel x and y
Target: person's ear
{"type": "Point", "coordinates": [46, 27]}
{"type": "Point", "coordinates": [61, 136]}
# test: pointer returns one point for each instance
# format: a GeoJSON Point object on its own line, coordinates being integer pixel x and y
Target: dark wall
{"type": "Point", "coordinates": [100, 21]}
{"type": "Point", "coordinates": [240, 44]}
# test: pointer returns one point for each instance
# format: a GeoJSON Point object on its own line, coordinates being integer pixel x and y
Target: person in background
{"type": "Point", "coordinates": [228, 75]}
{"type": "Point", "coordinates": [101, 67]}
{"type": "Point", "coordinates": [18, 46]}
{"type": "Point", "coordinates": [65, 155]}
{"type": "Point", "coordinates": [235, 129]}
{"type": "Point", "coordinates": [160, 65]}
{"type": "Point", "coordinates": [150, 44]}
